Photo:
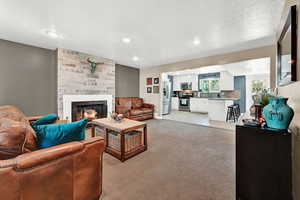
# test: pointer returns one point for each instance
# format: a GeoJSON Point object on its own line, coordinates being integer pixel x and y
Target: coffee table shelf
{"type": "Point", "coordinates": [122, 128]}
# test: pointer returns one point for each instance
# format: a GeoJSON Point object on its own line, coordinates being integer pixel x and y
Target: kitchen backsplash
{"type": "Point", "coordinates": [230, 94]}
{"type": "Point", "coordinates": [222, 94]}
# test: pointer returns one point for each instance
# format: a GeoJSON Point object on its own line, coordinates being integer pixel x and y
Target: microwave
{"type": "Point", "coordinates": [186, 86]}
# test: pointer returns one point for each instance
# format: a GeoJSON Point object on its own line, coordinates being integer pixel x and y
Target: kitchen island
{"type": "Point", "coordinates": [216, 108]}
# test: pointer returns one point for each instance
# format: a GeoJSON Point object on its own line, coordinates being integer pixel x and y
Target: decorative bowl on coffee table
{"type": "Point", "coordinates": [117, 117]}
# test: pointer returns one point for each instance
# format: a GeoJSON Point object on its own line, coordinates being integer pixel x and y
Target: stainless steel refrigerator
{"type": "Point", "coordinates": [167, 89]}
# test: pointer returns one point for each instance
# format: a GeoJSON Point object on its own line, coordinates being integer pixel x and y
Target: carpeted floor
{"type": "Point", "coordinates": [183, 162]}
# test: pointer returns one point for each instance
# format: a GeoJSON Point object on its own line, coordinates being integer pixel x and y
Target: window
{"type": "Point", "coordinates": [258, 85]}
{"type": "Point", "coordinates": [209, 85]}
{"type": "Point", "coordinates": [209, 82]}
{"type": "Point", "coordinates": [214, 85]}
{"type": "Point", "coordinates": [204, 85]}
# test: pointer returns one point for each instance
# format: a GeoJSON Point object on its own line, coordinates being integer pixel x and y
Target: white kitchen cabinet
{"type": "Point", "coordinates": [226, 81]}
{"type": "Point", "coordinates": [218, 109]}
{"type": "Point", "coordinates": [174, 103]}
{"type": "Point", "coordinates": [176, 84]}
{"type": "Point", "coordinates": [195, 84]}
{"type": "Point", "coordinates": [178, 79]}
{"type": "Point", "coordinates": [199, 105]}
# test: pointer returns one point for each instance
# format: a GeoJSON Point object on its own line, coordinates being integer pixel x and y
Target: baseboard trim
{"type": "Point", "coordinates": [157, 116]}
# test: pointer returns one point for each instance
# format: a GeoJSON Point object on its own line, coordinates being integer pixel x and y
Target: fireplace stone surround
{"type": "Point", "coordinates": [76, 82]}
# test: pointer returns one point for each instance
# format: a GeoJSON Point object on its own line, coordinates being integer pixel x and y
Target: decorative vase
{"type": "Point", "coordinates": [277, 113]}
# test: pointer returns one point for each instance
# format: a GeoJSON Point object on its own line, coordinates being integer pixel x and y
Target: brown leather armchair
{"type": "Point", "coordinates": [134, 108]}
{"type": "Point", "coordinates": [63, 172]}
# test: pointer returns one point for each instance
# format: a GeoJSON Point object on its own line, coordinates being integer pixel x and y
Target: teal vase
{"type": "Point", "coordinates": [277, 113]}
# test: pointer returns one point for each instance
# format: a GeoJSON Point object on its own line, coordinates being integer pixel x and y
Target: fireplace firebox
{"type": "Point", "coordinates": [89, 109]}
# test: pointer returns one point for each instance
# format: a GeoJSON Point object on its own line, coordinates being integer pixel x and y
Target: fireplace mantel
{"type": "Point", "coordinates": [68, 99]}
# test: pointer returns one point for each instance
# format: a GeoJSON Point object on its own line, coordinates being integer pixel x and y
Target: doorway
{"type": "Point", "coordinates": [240, 85]}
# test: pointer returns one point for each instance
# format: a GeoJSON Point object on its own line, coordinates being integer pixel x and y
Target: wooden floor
{"type": "Point", "coordinates": [197, 118]}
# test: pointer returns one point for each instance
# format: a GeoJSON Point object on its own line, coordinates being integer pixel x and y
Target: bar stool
{"type": "Point", "coordinates": [230, 113]}
{"type": "Point", "coordinates": [233, 112]}
{"type": "Point", "coordinates": [237, 110]}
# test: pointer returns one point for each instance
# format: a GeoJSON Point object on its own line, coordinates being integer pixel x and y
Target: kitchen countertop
{"type": "Point", "coordinates": [224, 98]}
{"type": "Point", "coordinates": [217, 98]}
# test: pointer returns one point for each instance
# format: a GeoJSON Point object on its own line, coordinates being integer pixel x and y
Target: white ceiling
{"type": "Point", "coordinates": [161, 31]}
{"type": "Point", "coordinates": [248, 67]}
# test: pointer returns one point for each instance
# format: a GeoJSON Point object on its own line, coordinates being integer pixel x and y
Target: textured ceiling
{"type": "Point", "coordinates": [162, 31]}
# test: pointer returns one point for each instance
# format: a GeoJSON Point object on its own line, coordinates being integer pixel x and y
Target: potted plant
{"type": "Point", "coordinates": [260, 100]}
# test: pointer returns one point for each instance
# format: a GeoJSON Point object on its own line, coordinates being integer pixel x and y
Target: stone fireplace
{"type": "Point", "coordinates": [78, 85]}
{"type": "Point", "coordinates": [89, 109]}
{"type": "Point", "coordinates": [77, 107]}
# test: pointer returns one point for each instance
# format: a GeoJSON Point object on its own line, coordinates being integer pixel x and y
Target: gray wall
{"type": "Point", "coordinates": [127, 81]}
{"type": "Point", "coordinates": [28, 78]}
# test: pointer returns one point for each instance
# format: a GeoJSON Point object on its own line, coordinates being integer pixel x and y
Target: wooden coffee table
{"type": "Point", "coordinates": [123, 127]}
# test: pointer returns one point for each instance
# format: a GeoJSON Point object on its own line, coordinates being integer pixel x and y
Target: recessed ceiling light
{"type": "Point", "coordinates": [52, 34]}
{"type": "Point", "coordinates": [196, 41]}
{"type": "Point", "coordinates": [126, 40]}
{"type": "Point", "coordinates": [135, 58]}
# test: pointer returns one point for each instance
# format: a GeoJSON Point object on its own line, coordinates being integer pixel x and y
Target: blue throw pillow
{"type": "Point", "coordinates": [55, 134]}
{"type": "Point", "coordinates": [47, 119]}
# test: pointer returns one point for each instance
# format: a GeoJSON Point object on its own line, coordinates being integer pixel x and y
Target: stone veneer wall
{"type": "Point", "coordinates": [75, 77]}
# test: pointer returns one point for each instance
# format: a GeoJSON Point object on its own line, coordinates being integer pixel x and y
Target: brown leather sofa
{"type": "Point", "coordinates": [134, 108]}
{"type": "Point", "coordinates": [72, 171]}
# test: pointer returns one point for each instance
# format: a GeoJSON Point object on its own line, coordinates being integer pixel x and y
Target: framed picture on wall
{"type": "Point", "coordinates": [149, 89]}
{"type": "Point", "coordinates": [156, 81]}
{"type": "Point", "coordinates": [155, 89]}
{"type": "Point", "coordinates": [149, 81]}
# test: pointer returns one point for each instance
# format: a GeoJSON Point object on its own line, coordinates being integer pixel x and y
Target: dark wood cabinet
{"type": "Point", "coordinates": [263, 164]}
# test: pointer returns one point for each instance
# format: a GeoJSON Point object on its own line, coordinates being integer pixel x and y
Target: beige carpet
{"type": "Point", "coordinates": [183, 162]}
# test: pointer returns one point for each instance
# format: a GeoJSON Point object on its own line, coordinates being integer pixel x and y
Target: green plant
{"type": "Point", "coordinates": [258, 86]}
{"type": "Point", "coordinates": [264, 97]}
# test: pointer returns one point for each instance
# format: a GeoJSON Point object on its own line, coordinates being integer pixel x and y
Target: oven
{"type": "Point", "coordinates": [184, 100]}
{"type": "Point", "coordinates": [184, 104]}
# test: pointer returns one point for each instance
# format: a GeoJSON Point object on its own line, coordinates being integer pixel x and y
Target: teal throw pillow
{"type": "Point", "coordinates": [47, 119]}
{"type": "Point", "coordinates": [55, 134]}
